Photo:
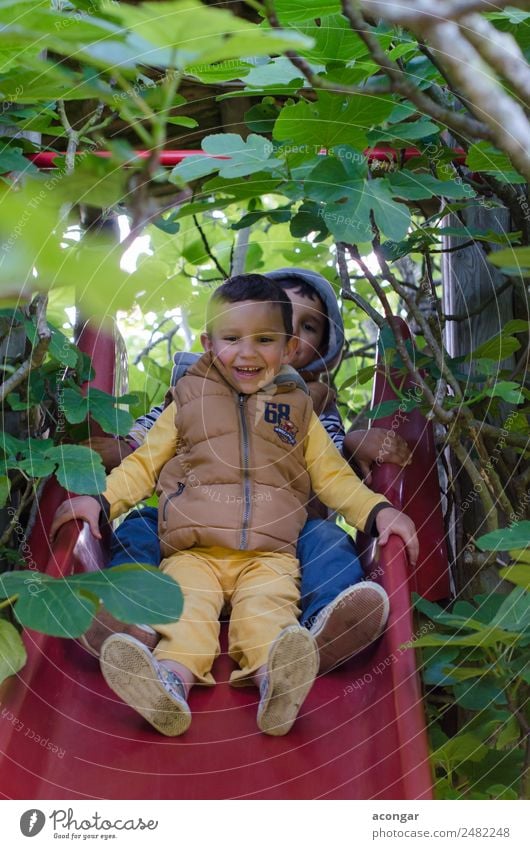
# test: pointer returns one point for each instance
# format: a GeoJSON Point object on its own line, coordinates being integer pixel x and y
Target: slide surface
{"type": "Point", "coordinates": [361, 733]}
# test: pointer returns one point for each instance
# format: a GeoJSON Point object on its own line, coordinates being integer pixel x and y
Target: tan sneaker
{"type": "Point", "coordinates": [105, 624]}
{"type": "Point", "coordinates": [291, 670]}
{"type": "Point", "coordinates": [149, 687]}
{"type": "Point", "coordinates": [349, 623]}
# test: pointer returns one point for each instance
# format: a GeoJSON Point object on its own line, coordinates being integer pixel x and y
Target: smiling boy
{"type": "Point", "coordinates": [242, 426]}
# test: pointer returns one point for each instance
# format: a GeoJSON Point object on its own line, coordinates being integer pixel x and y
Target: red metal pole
{"type": "Point", "coordinates": [47, 159]}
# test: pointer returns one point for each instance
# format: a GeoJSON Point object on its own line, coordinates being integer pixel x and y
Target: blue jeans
{"type": "Point", "coordinates": [136, 539]}
{"type": "Point", "coordinates": [329, 564]}
{"type": "Point", "coordinates": [328, 557]}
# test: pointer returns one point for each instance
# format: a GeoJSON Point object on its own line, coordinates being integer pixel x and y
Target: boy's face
{"type": "Point", "coordinates": [249, 340]}
{"type": "Point", "coordinates": [309, 328]}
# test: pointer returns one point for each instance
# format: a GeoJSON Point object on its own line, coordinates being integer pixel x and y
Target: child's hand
{"type": "Point", "coordinates": [83, 507]}
{"type": "Point", "coordinates": [390, 521]}
{"type": "Point", "coordinates": [375, 445]}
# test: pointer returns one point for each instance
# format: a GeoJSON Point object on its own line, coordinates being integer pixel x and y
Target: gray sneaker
{"type": "Point", "coordinates": [149, 687]}
{"type": "Point", "coordinates": [105, 624]}
{"type": "Point", "coordinates": [349, 623]}
{"type": "Point", "coordinates": [291, 670]}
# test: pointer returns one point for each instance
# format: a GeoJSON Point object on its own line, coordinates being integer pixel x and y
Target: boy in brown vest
{"type": "Point", "coordinates": [233, 459]}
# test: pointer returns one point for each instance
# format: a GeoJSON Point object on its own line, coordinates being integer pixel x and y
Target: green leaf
{"type": "Point", "coordinates": [332, 120]}
{"type": "Point", "coordinates": [339, 47]}
{"type": "Point", "coordinates": [65, 607]}
{"type": "Point", "coordinates": [404, 131]}
{"type": "Point", "coordinates": [344, 220]}
{"type": "Point", "coordinates": [5, 487]}
{"type": "Point", "coordinates": [12, 650]}
{"type": "Point", "coordinates": [500, 767]}
{"type": "Point", "coordinates": [186, 32]}
{"type": "Point", "coordinates": [134, 593]}
{"type": "Point", "coordinates": [49, 604]}
{"type": "Point", "coordinates": [485, 158]}
{"type": "Point", "coordinates": [393, 219]}
{"type": "Point", "coordinates": [296, 11]}
{"type": "Point", "coordinates": [261, 117]}
{"type": "Point", "coordinates": [80, 469]}
{"type": "Point", "coordinates": [478, 694]}
{"type": "Point", "coordinates": [241, 156]}
{"type": "Point", "coordinates": [518, 574]}
{"type": "Point", "coordinates": [514, 612]}
{"type": "Point", "coordinates": [364, 375]}
{"type": "Point", "coordinates": [508, 390]}
{"type": "Point", "coordinates": [13, 159]}
{"type": "Point", "coordinates": [61, 349]}
{"type": "Point", "coordinates": [328, 181]}
{"type": "Point", "coordinates": [497, 348]}
{"type": "Point", "coordinates": [386, 408]}
{"type": "Point", "coordinates": [220, 72]}
{"type": "Point", "coordinates": [464, 673]}
{"type": "Point", "coordinates": [516, 325]}
{"type": "Point", "coordinates": [500, 791]}
{"type": "Point", "coordinates": [511, 258]}
{"type": "Point", "coordinates": [462, 747]}
{"type": "Point", "coordinates": [414, 186]}
{"type": "Point", "coordinates": [516, 536]}
{"type": "Point", "coordinates": [193, 168]}
{"type": "Point", "coordinates": [74, 405]}
{"type": "Point", "coordinates": [102, 407]}
{"type": "Point", "coordinates": [484, 638]}
{"type": "Point", "coordinates": [307, 220]}
{"type": "Point", "coordinates": [278, 71]}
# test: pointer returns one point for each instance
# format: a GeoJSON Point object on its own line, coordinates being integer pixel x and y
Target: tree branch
{"type": "Point", "coordinates": [444, 416]}
{"type": "Point", "coordinates": [501, 51]}
{"type": "Point", "coordinates": [38, 353]}
{"type": "Point", "coordinates": [453, 120]}
{"type": "Point", "coordinates": [348, 294]}
{"type": "Point", "coordinates": [207, 248]}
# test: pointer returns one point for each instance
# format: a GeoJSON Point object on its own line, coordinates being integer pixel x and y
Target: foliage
{"type": "Point", "coordinates": [65, 607]}
{"type": "Point", "coordinates": [326, 82]}
{"type": "Point", "coordinates": [480, 655]}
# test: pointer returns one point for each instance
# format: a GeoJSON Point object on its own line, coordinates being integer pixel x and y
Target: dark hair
{"type": "Point", "coordinates": [252, 287]}
{"type": "Point", "coordinates": [302, 287]}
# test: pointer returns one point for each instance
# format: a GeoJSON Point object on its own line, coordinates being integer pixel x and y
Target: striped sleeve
{"type": "Point", "coordinates": [143, 425]}
{"type": "Point", "coordinates": [332, 423]}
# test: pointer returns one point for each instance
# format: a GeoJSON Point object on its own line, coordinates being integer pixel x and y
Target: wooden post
{"type": "Point", "coordinates": [469, 282]}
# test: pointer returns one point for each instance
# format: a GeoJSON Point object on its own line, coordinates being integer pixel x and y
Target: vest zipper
{"type": "Point", "coordinates": [245, 451]}
{"type": "Point", "coordinates": [167, 503]}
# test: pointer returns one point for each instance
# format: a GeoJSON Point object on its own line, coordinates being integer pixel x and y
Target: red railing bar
{"type": "Point", "coordinates": [46, 159]}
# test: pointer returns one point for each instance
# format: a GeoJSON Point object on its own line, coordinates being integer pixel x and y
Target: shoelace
{"type": "Point", "coordinates": [172, 682]}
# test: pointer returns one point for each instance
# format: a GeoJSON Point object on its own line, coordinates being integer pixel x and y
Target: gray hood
{"type": "Point", "coordinates": [325, 292]}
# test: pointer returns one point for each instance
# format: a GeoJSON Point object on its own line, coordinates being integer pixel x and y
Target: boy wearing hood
{"type": "Point", "coordinates": [344, 612]}
{"type": "Point", "coordinates": [242, 420]}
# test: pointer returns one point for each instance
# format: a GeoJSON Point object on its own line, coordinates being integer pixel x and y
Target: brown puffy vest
{"type": "Point", "coordinates": [238, 479]}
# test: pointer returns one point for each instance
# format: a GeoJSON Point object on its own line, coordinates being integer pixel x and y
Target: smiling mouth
{"type": "Point", "coordinates": [248, 370]}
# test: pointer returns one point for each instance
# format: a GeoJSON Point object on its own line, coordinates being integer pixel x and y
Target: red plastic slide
{"type": "Point", "coordinates": [361, 734]}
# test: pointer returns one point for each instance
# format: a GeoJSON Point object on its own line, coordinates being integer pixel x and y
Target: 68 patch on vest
{"type": "Point", "coordinates": [279, 415]}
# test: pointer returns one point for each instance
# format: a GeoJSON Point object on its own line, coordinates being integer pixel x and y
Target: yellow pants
{"type": "Point", "coordinates": [263, 591]}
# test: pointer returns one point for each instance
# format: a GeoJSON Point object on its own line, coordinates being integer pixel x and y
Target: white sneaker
{"type": "Point", "coordinates": [291, 670]}
{"type": "Point", "coordinates": [149, 687]}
